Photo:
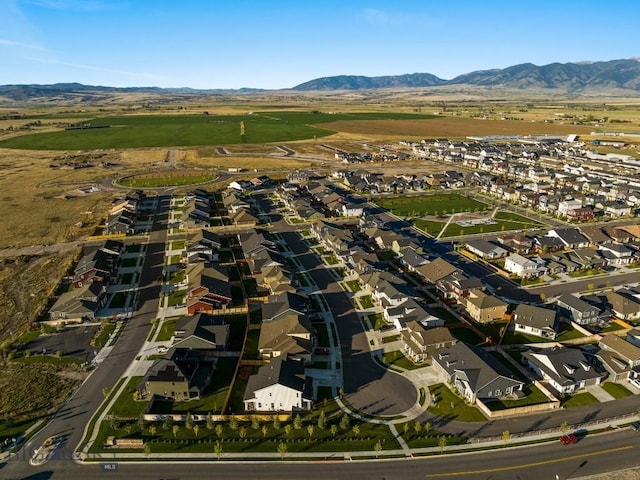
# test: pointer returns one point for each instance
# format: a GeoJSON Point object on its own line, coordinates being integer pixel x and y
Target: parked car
{"type": "Point", "coordinates": [635, 426]}
{"type": "Point", "coordinates": [569, 439]}
{"type": "Point", "coordinates": [322, 351]}
{"type": "Point", "coordinates": [635, 382]}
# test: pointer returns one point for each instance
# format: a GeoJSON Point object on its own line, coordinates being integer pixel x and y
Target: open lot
{"type": "Point", "coordinates": [429, 204]}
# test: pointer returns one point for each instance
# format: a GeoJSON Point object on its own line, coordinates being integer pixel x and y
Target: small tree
{"type": "Point", "coordinates": [442, 443]}
{"type": "Point", "coordinates": [287, 430]}
{"type": "Point", "coordinates": [405, 428]}
{"type": "Point", "coordinates": [218, 450]}
{"type": "Point", "coordinates": [209, 423]}
{"type": "Point", "coordinates": [506, 436]}
{"type": "Point", "coordinates": [106, 391]}
{"type": "Point", "coordinates": [297, 422]}
{"type": "Point", "coordinates": [417, 427]}
{"type": "Point", "coordinates": [282, 450]}
{"type": "Point", "coordinates": [322, 420]}
{"type": "Point", "coordinates": [175, 429]}
{"type": "Point", "coordinates": [427, 428]}
{"type": "Point", "coordinates": [167, 423]}
{"type": "Point", "coordinates": [334, 430]}
{"type": "Point", "coordinates": [233, 423]}
{"type": "Point", "coordinates": [265, 431]}
{"type": "Point", "coordinates": [147, 450]}
{"type": "Point", "coordinates": [152, 430]}
{"type": "Point", "coordinates": [564, 427]}
{"type": "Point", "coordinates": [128, 428]}
{"type": "Point", "coordinates": [356, 430]}
{"type": "Point", "coordinates": [344, 422]}
{"type": "Point", "coordinates": [189, 421]}
{"type": "Point", "coordinates": [310, 429]}
{"type": "Point", "coordinates": [196, 430]}
{"type": "Point", "coordinates": [141, 422]}
{"type": "Point", "coordinates": [219, 429]}
{"type": "Point", "coordinates": [242, 432]}
{"type": "Point", "coordinates": [255, 423]}
{"type": "Point", "coordinates": [276, 423]}
{"type": "Point", "coordinates": [377, 448]}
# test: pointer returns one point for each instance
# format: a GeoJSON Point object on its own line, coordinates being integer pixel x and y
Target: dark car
{"type": "Point", "coordinates": [635, 426]}
{"type": "Point", "coordinates": [569, 439]}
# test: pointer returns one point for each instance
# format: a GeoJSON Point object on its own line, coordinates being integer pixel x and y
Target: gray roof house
{"type": "Point", "coordinates": [533, 320]}
{"type": "Point", "coordinates": [577, 310]}
{"type": "Point", "coordinates": [201, 332]}
{"type": "Point", "coordinates": [565, 369]}
{"type": "Point", "coordinates": [486, 249]}
{"type": "Point", "coordinates": [475, 373]}
{"type": "Point", "coordinates": [618, 356]}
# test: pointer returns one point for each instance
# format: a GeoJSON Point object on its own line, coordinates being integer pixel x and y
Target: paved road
{"type": "Point", "coordinates": [71, 420]}
{"type": "Point", "coordinates": [368, 386]}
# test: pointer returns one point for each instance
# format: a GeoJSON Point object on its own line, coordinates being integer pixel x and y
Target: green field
{"type": "Point", "coordinates": [140, 131]}
{"type": "Point", "coordinates": [168, 181]}
{"type": "Point", "coordinates": [505, 221]}
{"type": "Point", "coordinates": [432, 204]}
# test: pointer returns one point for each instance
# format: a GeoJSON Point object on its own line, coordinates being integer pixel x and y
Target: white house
{"type": "Point", "coordinates": [524, 267]}
{"type": "Point", "coordinates": [279, 386]}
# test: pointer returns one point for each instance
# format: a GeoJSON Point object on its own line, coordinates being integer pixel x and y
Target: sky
{"type": "Point", "coordinates": [274, 44]}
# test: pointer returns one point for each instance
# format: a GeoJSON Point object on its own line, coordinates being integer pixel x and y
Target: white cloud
{"type": "Point", "coordinates": [27, 46]}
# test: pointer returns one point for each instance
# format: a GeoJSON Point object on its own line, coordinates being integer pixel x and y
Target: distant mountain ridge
{"type": "Point", "coordinates": [568, 77]}
{"type": "Point", "coordinates": [620, 74]}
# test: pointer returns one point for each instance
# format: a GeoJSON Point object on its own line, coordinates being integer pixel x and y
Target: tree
{"type": "Point", "coordinates": [196, 430]}
{"type": "Point", "coordinates": [175, 429]}
{"type": "Point", "coordinates": [255, 423]}
{"type": "Point", "coordinates": [417, 427]}
{"type": "Point", "coordinates": [209, 424]}
{"type": "Point", "coordinates": [564, 427]}
{"type": "Point", "coordinates": [344, 422]}
{"type": "Point", "coordinates": [167, 422]}
{"type": "Point", "coordinates": [405, 428]}
{"type": "Point", "coordinates": [442, 443]}
{"type": "Point", "coordinates": [152, 430]}
{"type": "Point", "coordinates": [219, 429]}
{"type": "Point", "coordinates": [377, 448]}
{"type": "Point", "coordinates": [427, 428]}
{"type": "Point", "coordinates": [287, 430]}
{"type": "Point", "coordinates": [322, 420]}
{"type": "Point", "coordinates": [242, 432]}
{"type": "Point", "coordinates": [265, 431]}
{"type": "Point", "coordinates": [334, 430]}
{"type": "Point", "coordinates": [128, 428]}
{"type": "Point", "coordinates": [106, 391]}
{"type": "Point", "coordinates": [141, 422]}
{"type": "Point", "coordinates": [276, 423]}
{"type": "Point", "coordinates": [356, 430]}
{"type": "Point", "coordinates": [147, 450]}
{"type": "Point", "coordinates": [506, 435]}
{"type": "Point", "coordinates": [282, 450]}
{"type": "Point", "coordinates": [310, 428]}
{"type": "Point", "coordinates": [233, 423]}
{"type": "Point", "coordinates": [189, 421]}
{"type": "Point", "coordinates": [217, 449]}
{"type": "Point", "coordinates": [297, 422]}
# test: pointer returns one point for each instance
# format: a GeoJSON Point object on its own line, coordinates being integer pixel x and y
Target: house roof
{"type": "Point", "coordinates": [279, 304]}
{"type": "Point", "coordinates": [566, 366]}
{"type": "Point", "coordinates": [281, 370]}
{"type": "Point", "coordinates": [575, 303]}
{"type": "Point", "coordinates": [622, 304]}
{"type": "Point", "coordinates": [436, 270]}
{"type": "Point", "coordinates": [429, 336]}
{"type": "Point", "coordinates": [533, 316]}
{"type": "Point", "coordinates": [474, 363]}
{"type": "Point", "coordinates": [486, 247]}
{"type": "Point", "coordinates": [208, 331]}
{"type": "Point", "coordinates": [482, 300]}
{"type": "Point", "coordinates": [620, 346]}
{"type": "Point", "coordinates": [595, 234]}
{"type": "Point", "coordinates": [283, 334]}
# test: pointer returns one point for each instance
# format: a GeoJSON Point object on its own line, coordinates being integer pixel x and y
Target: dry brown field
{"type": "Point", "coordinates": [450, 127]}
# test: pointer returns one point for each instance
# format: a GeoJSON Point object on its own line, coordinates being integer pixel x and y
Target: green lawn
{"type": "Point", "coordinates": [391, 338]}
{"type": "Point", "coordinates": [466, 335]}
{"type": "Point", "coordinates": [138, 131]}
{"type": "Point", "coordinates": [125, 406]}
{"type": "Point", "coordinates": [178, 276]}
{"type": "Point", "coordinates": [567, 332]}
{"type": "Point", "coordinates": [366, 301]}
{"type": "Point", "coordinates": [176, 297]}
{"type": "Point", "coordinates": [452, 407]}
{"type": "Point", "coordinates": [167, 329]}
{"type": "Point", "coordinates": [430, 204]}
{"type": "Point", "coordinates": [616, 390]}
{"type": "Point", "coordinates": [579, 400]}
{"type": "Point", "coordinates": [354, 285]}
{"type": "Point", "coordinates": [433, 227]}
{"type": "Point", "coordinates": [141, 181]}
{"type": "Point", "coordinates": [216, 393]}
{"type": "Point", "coordinates": [398, 359]}
{"type": "Point", "coordinates": [534, 396]}
{"type": "Point", "coordinates": [178, 245]}
{"type": "Point", "coordinates": [377, 321]}
{"type": "Point", "coordinates": [105, 333]}
{"type": "Point", "coordinates": [52, 359]}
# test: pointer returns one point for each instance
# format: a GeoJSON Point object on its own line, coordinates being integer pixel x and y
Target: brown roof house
{"type": "Point", "coordinates": [290, 335]}
{"type": "Point", "coordinates": [483, 307]}
{"type": "Point", "coordinates": [419, 343]}
{"type": "Point", "coordinates": [618, 356]}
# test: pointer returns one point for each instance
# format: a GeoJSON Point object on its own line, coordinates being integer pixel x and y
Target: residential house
{"type": "Point", "coordinates": [289, 335]}
{"type": "Point", "coordinates": [457, 286]}
{"type": "Point", "coordinates": [420, 343]}
{"type": "Point", "coordinates": [474, 373]}
{"type": "Point", "coordinates": [436, 270]}
{"type": "Point", "coordinates": [483, 307]}
{"type": "Point", "coordinates": [485, 249]}
{"type": "Point", "coordinates": [98, 264]}
{"type": "Point", "coordinates": [577, 310]}
{"type": "Point", "coordinates": [524, 267]}
{"type": "Point", "coordinates": [209, 288]}
{"type": "Point", "coordinates": [618, 356]}
{"type": "Point", "coordinates": [288, 303]}
{"type": "Point", "coordinates": [79, 304]}
{"type": "Point", "coordinates": [570, 237]}
{"type": "Point", "coordinates": [625, 307]}
{"type": "Point", "coordinates": [201, 332]}
{"type": "Point", "coordinates": [565, 369]}
{"type": "Point", "coordinates": [617, 254]}
{"type": "Point", "coordinates": [279, 386]}
{"type": "Point", "coordinates": [538, 321]}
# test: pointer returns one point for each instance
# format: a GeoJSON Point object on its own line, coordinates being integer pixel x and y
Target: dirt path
{"type": "Point", "coordinates": [40, 249]}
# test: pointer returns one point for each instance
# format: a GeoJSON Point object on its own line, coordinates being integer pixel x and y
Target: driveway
{"type": "Point", "coordinates": [72, 340]}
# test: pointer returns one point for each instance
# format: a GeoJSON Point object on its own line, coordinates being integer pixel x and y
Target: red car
{"type": "Point", "coordinates": [569, 439]}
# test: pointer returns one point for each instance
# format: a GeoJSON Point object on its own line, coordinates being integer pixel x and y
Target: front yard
{"type": "Point", "coordinates": [448, 405]}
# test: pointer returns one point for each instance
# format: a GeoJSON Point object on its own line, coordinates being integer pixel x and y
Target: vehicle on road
{"type": "Point", "coordinates": [635, 426]}
{"type": "Point", "coordinates": [569, 439]}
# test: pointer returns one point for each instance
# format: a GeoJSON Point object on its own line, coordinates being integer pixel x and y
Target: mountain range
{"type": "Point", "coordinates": [571, 78]}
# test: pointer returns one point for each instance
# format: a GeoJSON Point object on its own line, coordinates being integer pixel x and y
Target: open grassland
{"type": "Point", "coordinates": [139, 131]}
{"type": "Point", "coordinates": [25, 284]}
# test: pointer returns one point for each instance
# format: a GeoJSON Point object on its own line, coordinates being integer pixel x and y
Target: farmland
{"type": "Point", "coordinates": [137, 131]}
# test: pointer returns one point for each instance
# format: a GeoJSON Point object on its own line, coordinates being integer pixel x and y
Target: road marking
{"type": "Point", "coordinates": [526, 465]}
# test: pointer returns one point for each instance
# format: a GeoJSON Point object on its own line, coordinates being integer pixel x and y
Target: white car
{"type": "Point", "coordinates": [635, 382]}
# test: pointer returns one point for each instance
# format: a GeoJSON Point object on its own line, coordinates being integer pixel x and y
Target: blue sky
{"type": "Point", "coordinates": [280, 43]}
